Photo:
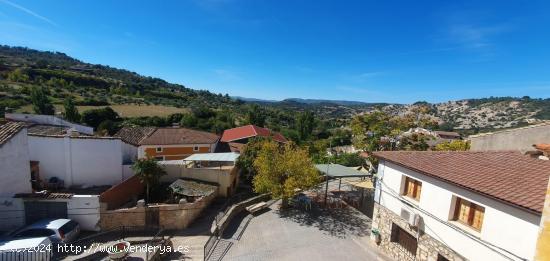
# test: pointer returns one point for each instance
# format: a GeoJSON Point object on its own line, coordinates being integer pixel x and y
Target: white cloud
{"type": "Point", "coordinates": [28, 11]}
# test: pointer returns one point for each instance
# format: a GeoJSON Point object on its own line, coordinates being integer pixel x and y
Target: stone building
{"type": "Point", "coordinates": [459, 205]}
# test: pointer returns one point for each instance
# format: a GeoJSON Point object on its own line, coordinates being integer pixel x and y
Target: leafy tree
{"type": "Point", "coordinates": [71, 112]}
{"type": "Point", "coordinates": [305, 124]}
{"type": "Point", "coordinates": [40, 102]}
{"type": "Point", "coordinates": [96, 116]}
{"type": "Point", "coordinates": [414, 142]}
{"type": "Point", "coordinates": [245, 162]}
{"type": "Point", "coordinates": [455, 145]}
{"type": "Point", "coordinates": [282, 170]}
{"type": "Point", "coordinates": [256, 115]}
{"type": "Point", "coordinates": [107, 127]}
{"type": "Point", "coordinates": [18, 75]}
{"type": "Point", "coordinates": [148, 172]}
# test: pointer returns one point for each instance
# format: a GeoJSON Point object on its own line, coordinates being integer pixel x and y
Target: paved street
{"type": "Point", "coordinates": [297, 235]}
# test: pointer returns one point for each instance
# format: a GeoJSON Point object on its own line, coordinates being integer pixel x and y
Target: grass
{"type": "Point", "coordinates": [124, 110]}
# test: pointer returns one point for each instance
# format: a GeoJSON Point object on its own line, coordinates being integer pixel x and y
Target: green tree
{"type": "Point", "coordinates": [245, 162]}
{"type": "Point", "coordinates": [96, 116]}
{"type": "Point", "coordinates": [40, 102]}
{"type": "Point", "coordinates": [256, 115]}
{"type": "Point", "coordinates": [282, 170]}
{"type": "Point", "coordinates": [455, 145]}
{"type": "Point", "coordinates": [71, 112]}
{"type": "Point", "coordinates": [107, 128]}
{"type": "Point", "coordinates": [305, 125]}
{"type": "Point", "coordinates": [149, 172]}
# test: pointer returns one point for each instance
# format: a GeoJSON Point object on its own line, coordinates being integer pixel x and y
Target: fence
{"type": "Point", "coordinates": [209, 245]}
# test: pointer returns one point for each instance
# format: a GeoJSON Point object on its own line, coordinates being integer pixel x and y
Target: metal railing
{"type": "Point", "coordinates": [210, 244]}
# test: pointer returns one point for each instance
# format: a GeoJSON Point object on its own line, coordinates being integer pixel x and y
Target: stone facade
{"type": "Point", "coordinates": [428, 247]}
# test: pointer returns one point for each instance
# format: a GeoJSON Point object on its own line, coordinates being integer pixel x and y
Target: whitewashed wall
{"type": "Point", "coordinates": [12, 213]}
{"type": "Point", "coordinates": [85, 209]}
{"type": "Point", "coordinates": [129, 152]}
{"type": "Point", "coordinates": [15, 172]}
{"type": "Point", "coordinates": [78, 161]}
{"type": "Point", "coordinates": [504, 226]}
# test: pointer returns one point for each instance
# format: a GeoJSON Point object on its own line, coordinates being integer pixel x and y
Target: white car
{"type": "Point", "coordinates": [38, 248]}
{"type": "Point", "coordinates": [58, 230]}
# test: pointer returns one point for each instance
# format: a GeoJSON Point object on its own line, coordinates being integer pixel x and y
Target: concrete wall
{"type": "Point", "coordinates": [85, 210]}
{"type": "Point", "coordinates": [50, 120]}
{"type": "Point", "coordinates": [226, 177]}
{"type": "Point", "coordinates": [513, 139]}
{"type": "Point", "coordinates": [15, 171]}
{"type": "Point", "coordinates": [78, 161]}
{"type": "Point", "coordinates": [504, 226]}
{"type": "Point", "coordinates": [12, 213]}
{"type": "Point", "coordinates": [543, 243]}
{"type": "Point", "coordinates": [129, 153]}
{"type": "Point", "coordinates": [121, 193]}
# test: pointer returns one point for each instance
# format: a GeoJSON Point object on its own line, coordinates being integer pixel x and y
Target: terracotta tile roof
{"type": "Point", "coordinates": [168, 136]}
{"type": "Point", "coordinates": [43, 129]}
{"type": "Point", "coordinates": [9, 129]}
{"type": "Point", "coordinates": [447, 133]}
{"type": "Point", "coordinates": [510, 177]}
{"type": "Point", "coordinates": [249, 131]}
{"type": "Point", "coordinates": [134, 135]}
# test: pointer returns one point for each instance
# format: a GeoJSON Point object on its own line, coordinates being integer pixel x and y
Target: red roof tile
{"type": "Point", "coordinates": [169, 136]}
{"type": "Point", "coordinates": [134, 135]}
{"type": "Point", "coordinates": [510, 177]}
{"type": "Point", "coordinates": [250, 131]}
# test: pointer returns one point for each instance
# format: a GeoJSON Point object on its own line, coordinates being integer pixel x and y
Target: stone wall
{"type": "Point", "coordinates": [171, 216]}
{"type": "Point", "coordinates": [428, 247]}
{"type": "Point", "coordinates": [110, 219]}
{"type": "Point", "coordinates": [179, 216]}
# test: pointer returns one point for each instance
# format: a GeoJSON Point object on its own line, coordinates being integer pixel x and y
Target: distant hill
{"type": "Point", "coordinates": [101, 85]}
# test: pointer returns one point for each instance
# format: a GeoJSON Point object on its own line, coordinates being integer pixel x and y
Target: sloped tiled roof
{"type": "Point", "coordinates": [44, 129]}
{"type": "Point", "coordinates": [510, 177]}
{"type": "Point", "coordinates": [134, 135]}
{"type": "Point", "coordinates": [169, 136]}
{"type": "Point", "coordinates": [9, 129]}
{"type": "Point", "coordinates": [249, 131]}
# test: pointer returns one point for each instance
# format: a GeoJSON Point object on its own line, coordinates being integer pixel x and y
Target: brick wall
{"type": "Point", "coordinates": [120, 194]}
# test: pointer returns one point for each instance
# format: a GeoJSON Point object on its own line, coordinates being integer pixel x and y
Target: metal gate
{"type": "Point", "coordinates": [36, 210]}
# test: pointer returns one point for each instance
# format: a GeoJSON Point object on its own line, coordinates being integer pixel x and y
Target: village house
{"type": "Point", "coordinates": [512, 139]}
{"type": "Point", "coordinates": [459, 205]}
{"type": "Point", "coordinates": [15, 172]}
{"type": "Point", "coordinates": [171, 143]}
{"type": "Point", "coordinates": [237, 137]}
{"type": "Point", "coordinates": [217, 168]}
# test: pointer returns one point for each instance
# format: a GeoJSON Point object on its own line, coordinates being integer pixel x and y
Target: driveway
{"type": "Point", "coordinates": [297, 235]}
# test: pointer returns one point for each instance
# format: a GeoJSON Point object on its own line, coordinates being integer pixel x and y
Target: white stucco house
{"type": "Point", "coordinates": [15, 173]}
{"type": "Point", "coordinates": [459, 205]}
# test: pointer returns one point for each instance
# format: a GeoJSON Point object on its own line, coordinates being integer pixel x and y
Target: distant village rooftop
{"type": "Point", "coordinates": [250, 131]}
{"type": "Point", "coordinates": [507, 176]}
{"type": "Point", "coordinates": [174, 135]}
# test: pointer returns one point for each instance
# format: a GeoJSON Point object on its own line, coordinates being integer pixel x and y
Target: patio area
{"type": "Point", "coordinates": [296, 234]}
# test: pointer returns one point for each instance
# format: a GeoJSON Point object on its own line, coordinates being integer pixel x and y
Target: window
{"type": "Point", "coordinates": [159, 158]}
{"type": "Point", "coordinates": [468, 213]}
{"type": "Point", "coordinates": [413, 188]}
{"type": "Point", "coordinates": [404, 239]}
{"type": "Point", "coordinates": [196, 148]}
{"type": "Point", "coordinates": [159, 149]}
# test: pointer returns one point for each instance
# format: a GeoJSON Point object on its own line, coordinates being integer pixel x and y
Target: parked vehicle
{"type": "Point", "coordinates": [58, 230]}
{"type": "Point", "coordinates": [38, 248]}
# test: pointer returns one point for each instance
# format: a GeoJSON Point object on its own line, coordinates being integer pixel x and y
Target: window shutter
{"type": "Point", "coordinates": [418, 190]}
{"type": "Point", "coordinates": [478, 217]}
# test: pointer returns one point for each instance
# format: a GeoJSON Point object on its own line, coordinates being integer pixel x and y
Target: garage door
{"type": "Point", "coordinates": [35, 211]}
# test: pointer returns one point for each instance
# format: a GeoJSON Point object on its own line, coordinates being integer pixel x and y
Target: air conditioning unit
{"type": "Point", "coordinates": [405, 214]}
{"type": "Point", "coordinates": [414, 220]}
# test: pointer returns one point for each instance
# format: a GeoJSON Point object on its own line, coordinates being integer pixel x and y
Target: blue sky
{"type": "Point", "coordinates": [373, 51]}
